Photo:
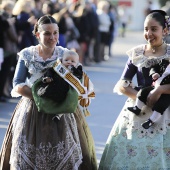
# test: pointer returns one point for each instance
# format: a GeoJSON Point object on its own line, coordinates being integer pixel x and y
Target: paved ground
{"type": "Point", "coordinates": [107, 105]}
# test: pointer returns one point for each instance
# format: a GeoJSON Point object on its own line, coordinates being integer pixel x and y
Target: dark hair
{"type": "Point", "coordinates": [46, 19]}
{"type": "Point", "coordinates": [159, 16]}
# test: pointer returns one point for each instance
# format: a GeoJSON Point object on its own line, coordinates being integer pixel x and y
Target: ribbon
{"type": "Point", "coordinates": [84, 89]}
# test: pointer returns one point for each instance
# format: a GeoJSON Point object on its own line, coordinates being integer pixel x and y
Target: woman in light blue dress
{"type": "Point", "coordinates": [129, 145]}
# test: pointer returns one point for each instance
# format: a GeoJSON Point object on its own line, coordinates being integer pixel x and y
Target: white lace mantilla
{"type": "Point", "coordinates": [122, 83]}
{"type": "Point", "coordinates": [138, 59]}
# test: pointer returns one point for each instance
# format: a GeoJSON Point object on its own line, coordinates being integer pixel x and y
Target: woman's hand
{"type": "Point", "coordinates": [129, 91]}
{"type": "Point", "coordinates": [153, 97]}
{"type": "Point", "coordinates": [155, 76]}
{"type": "Point", "coordinates": [25, 91]}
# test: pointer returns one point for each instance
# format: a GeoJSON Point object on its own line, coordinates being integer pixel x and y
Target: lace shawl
{"type": "Point", "coordinates": [34, 64]}
{"type": "Point", "coordinates": [137, 57]}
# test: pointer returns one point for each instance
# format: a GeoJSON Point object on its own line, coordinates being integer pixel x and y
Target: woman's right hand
{"type": "Point", "coordinates": [129, 91]}
{"type": "Point", "coordinates": [25, 91]}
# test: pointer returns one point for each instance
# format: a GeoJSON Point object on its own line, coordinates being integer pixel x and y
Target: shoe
{"type": "Point", "coordinates": [147, 124]}
{"type": "Point", "coordinates": [135, 110]}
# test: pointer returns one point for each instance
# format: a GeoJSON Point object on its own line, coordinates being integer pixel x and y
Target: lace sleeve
{"type": "Point", "coordinates": [129, 72]}
{"type": "Point", "coordinates": [14, 92]}
{"type": "Point", "coordinates": [122, 83]}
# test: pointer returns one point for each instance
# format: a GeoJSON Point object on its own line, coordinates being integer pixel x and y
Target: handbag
{"type": "Point", "coordinates": [48, 106]}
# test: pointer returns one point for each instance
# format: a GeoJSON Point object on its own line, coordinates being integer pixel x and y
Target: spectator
{"type": "Point", "coordinates": [148, 8]}
{"type": "Point", "coordinates": [81, 21]}
{"type": "Point", "coordinates": [104, 28]}
{"type": "Point", "coordinates": [48, 8]}
{"type": "Point", "coordinates": [60, 18]}
{"type": "Point", "coordinates": [37, 11]}
{"type": "Point", "coordinates": [10, 49]}
{"type": "Point", "coordinates": [112, 16]}
{"type": "Point", "coordinates": [93, 44]}
{"type": "Point", "coordinates": [72, 33]}
{"type": "Point", "coordinates": [4, 27]}
{"type": "Point", "coordinates": [23, 12]}
{"type": "Point", "coordinates": [124, 18]}
{"type": "Point", "coordinates": [166, 8]}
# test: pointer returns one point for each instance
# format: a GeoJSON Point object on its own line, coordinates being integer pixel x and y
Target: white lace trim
{"type": "Point", "coordinates": [29, 83]}
{"type": "Point", "coordinates": [138, 59]}
{"type": "Point", "coordinates": [14, 92]}
{"type": "Point", "coordinates": [32, 60]}
{"type": "Point", "coordinates": [133, 123]}
{"type": "Point", "coordinates": [40, 59]}
{"type": "Point", "coordinates": [122, 83]}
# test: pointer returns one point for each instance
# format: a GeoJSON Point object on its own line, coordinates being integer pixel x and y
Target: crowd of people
{"type": "Point", "coordinates": [85, 26]}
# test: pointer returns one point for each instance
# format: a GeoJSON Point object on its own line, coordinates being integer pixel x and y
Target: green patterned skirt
{"type": "Point", "coordinates": [131, 147]}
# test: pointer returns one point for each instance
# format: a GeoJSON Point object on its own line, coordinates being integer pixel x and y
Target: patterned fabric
{"type": "Point", "coordinates": [129, 145]}
{"type": "Point", "coordinates": [138, 59]}
{"type": "Point", "coordinates": [48, 147]}
{"type": "Point", "coordinates": [35, 65]}
{"type": "Point", "coordinates": [35, 140]}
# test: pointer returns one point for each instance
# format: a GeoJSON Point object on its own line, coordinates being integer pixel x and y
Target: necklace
{"type": "Point", "coordinates": [154, 48]}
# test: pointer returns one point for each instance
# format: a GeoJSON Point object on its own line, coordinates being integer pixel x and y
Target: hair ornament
{"type": "Point", "coordinates": [167, 23]}
{"type": "Point", "coordinates": [49, 19]}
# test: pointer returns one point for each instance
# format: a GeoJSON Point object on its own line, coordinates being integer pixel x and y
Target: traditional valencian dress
{"type": "Point", "coordinates": [35, 140]}
{"type": "Point", "coordinates": [129, 145]}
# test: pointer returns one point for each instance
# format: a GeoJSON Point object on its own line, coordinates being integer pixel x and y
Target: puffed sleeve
{"type": "Point", "coordinates": [21, 72]}
{"type": "Point", "coordinates": [19, 80]}
{"type": "Point", "coordinates": [126, 78]}
{"type": "Point", "coordinates": [129, 71]}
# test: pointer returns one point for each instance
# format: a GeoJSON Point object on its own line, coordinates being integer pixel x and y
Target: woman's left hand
{"type": "Point", "coordinates": [153, 97]}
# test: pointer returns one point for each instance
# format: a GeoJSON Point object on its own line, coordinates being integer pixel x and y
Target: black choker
{"type": "Point", "coordinates": [154, 48]}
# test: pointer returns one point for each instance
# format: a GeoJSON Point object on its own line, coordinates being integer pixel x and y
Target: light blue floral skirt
{"type": "Point", "coordinates": [131, 147]}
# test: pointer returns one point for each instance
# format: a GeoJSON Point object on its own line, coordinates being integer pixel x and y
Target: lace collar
{"type": "Point", "coordinates": [34, 62]}
{"type": "Point", "coordinates": [37, 57]}
{"type": "Point", "coordinates": [137, 57]}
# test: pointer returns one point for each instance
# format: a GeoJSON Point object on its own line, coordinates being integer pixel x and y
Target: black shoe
{"type": "Point", "coordinates": [135, 110]}
{"type": "Point", "coordinates": [147, 124]}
